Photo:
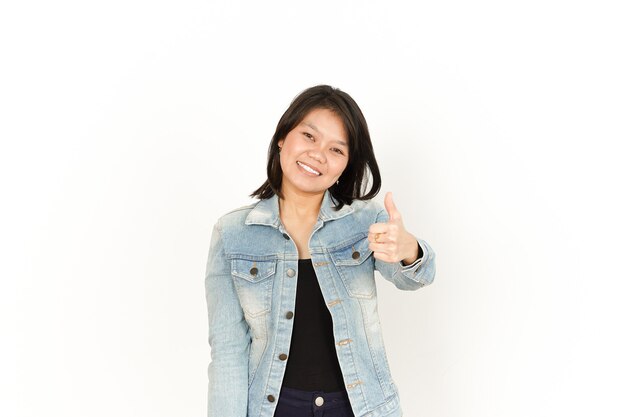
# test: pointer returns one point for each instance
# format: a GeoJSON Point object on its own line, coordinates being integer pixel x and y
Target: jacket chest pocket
{"type": "Point", "coordinates": [355, 264]}
{"type": "Point", "coordinates": [253, 282]}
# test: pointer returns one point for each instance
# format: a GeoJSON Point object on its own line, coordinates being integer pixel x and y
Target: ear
{"type": "Point", "coordinates": [280, 143]}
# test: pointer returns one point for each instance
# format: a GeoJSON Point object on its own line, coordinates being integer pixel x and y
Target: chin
{"type": "Point", "coordinates": [312, 190]}
{"type": "Point", "coordinates": [308, 188]}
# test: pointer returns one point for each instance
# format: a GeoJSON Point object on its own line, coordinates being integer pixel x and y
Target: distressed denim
{"type": "Point", "coordinates": [250, 281]}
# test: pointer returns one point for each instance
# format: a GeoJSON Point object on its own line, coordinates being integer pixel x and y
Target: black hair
{"type": "Point", "coordinates": [360, 155]}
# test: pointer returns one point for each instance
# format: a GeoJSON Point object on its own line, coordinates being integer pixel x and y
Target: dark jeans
{"type": "Point", "coordinates": [297, 403]}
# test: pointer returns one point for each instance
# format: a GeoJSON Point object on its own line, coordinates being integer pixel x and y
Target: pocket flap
{"type": "Point", "coordinates": [355, 252]}
{"type": "Point", "coordinates": [253, 271]}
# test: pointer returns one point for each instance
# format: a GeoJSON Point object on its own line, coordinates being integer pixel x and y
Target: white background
{"type": "Point", "coordinates": [128, 127]}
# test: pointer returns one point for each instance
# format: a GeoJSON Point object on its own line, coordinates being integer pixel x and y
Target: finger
{"type": "Point", "coordinates": [378, 228]}
{"type": "Point", "coordinates": [382, 238]}
{"type": "Point", "coordinates": [379, 247]}
{"type": "Point", "coordinates": [390, 206]}
{"type": "Point", "coordinates": [382, 256]}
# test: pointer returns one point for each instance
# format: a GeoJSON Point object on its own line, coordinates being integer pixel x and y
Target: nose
{"type": "Point", "coordinates": [317, 154]}
{"type": "Point", "coordinates": [317, 157]}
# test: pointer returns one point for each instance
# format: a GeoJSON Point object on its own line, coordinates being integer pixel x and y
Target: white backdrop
{"type": "Point", "coordinates": [129, 126]}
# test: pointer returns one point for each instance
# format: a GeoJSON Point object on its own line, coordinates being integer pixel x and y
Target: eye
{"type": "Point", "coordinates": [308, 135]}
{"type": "Point", "coordinates": [338, 151]}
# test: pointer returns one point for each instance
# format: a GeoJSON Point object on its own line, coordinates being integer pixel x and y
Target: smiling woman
{"type": "Point", "coordinates": [327, 129]}
{"type": "Point", "coordinates": [291, 294]}
{"type": "Point", "coordinates": [314, 149]}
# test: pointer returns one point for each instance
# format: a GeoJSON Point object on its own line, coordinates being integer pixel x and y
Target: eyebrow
{"type": "Point", "coordinates": [315, 128]}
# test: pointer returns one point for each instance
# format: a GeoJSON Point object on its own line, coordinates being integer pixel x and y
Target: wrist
{"type": "Point", "coordinates": [417, 251]}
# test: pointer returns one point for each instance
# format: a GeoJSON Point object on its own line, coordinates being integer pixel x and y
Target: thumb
{"type": "Point", "coordinates": [391, 208]}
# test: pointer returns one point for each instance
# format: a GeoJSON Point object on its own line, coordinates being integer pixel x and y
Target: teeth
{"type": "Point", "coordinates": [308, 169]}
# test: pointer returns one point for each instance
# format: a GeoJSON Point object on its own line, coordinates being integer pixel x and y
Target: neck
{"type": "Point", "coordinates": [299, 205]}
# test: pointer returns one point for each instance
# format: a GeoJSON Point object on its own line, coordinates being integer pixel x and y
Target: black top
{"type": "Point", "coordinates": [312, 364]}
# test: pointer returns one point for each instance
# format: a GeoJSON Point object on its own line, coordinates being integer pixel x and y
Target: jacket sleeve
{"type": "Point", "coordinates": [410, 277]}
{"type": "Point", "coordinates": [229, 337]}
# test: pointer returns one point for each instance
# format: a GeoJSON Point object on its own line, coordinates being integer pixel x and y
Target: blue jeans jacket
{"type": "Point", "coordinates": [250, 283]}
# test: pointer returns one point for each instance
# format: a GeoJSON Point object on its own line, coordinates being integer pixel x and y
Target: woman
{"type": "Point", "coordinates": [293, 320]}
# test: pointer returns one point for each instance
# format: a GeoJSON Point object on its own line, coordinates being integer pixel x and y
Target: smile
{"type": "Point", "coordinates": [308, 168]}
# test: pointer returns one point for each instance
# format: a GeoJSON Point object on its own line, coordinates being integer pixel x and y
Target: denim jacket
{"type": "Point", "coordinates": [250, 282]}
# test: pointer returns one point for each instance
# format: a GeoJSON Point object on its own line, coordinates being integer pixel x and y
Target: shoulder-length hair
{"type": "Point", "coordinates": [360, 154]}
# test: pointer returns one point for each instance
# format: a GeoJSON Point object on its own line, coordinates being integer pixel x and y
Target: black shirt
{"type": "Point", "coordinates": [312, 364]}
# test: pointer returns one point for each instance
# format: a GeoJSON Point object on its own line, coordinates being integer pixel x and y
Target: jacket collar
{"type": "Point", "coordinates": [266, 211]}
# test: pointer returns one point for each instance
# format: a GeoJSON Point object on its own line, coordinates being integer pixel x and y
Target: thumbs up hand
{"type": "Point", "coordinates": [390, 241]}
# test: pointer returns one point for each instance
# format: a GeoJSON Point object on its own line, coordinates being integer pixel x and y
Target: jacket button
{"type": "Point", "coordinates": [289, 314]}
{"type": "Point", "coordinates": [270, 398]}
{"type": "Point", "coordinates": [355, 254]}
{"type": "Point", "coordinates": [254, 271]}
{"type": "Point", "coordinates": [286, 236]}
{"type": "Point", "coordinates": [291, 272]}
{"type": "Point", "coordinates": [282, 357]}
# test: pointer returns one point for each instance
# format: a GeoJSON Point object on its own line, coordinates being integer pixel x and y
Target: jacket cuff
{"type": "Point", "coordinates": [412, 269]}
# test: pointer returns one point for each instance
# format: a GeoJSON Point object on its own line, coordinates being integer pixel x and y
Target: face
{"type": "Point", "coordinates": [319, 143]}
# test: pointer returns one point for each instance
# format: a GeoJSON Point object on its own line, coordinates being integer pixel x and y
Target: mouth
{"type": "Point", "coordinates": [308, 168]}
